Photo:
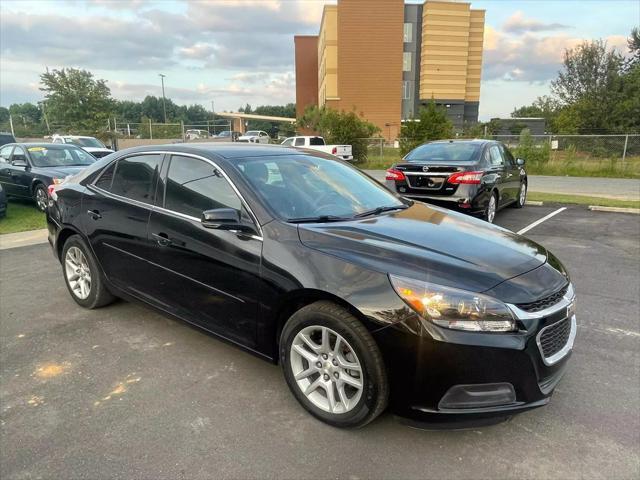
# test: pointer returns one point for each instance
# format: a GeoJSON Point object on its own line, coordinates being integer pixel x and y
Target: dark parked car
{"type": "Point", "coordinates": [3, 202]}
{"type": "Point", "coordinates": [363, 297]}
{"type": "Point", "coordinates": [6, 137]}
{"type": "Point", "coordinates": [474, 176]}
{"type": "Point", "coordinates": [27, 169]}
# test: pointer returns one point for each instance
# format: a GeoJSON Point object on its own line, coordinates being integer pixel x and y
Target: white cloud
{"type": "Point", "coordinates": [517, 23]}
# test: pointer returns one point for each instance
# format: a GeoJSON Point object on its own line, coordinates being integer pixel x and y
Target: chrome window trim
{"type": "Point", "coordinates": [560, 354]}
{"type": "Point", "coordinates": [567, 299]}
{"type": "Point", "coordinates": [173, 212]}
{"type": "Point", "coordinates": [430, 174]}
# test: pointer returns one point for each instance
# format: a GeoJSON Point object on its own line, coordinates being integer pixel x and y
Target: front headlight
{"type": "Point", "coordinates": [452, 308]}
{"type": "Point", "coordinates": [58, 181]}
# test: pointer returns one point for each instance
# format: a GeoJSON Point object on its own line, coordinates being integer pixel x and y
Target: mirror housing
{"type": "Point", "coordinates": [520, 162]}
{"type": "Point", "coordinates": [19, 163]}
{"type": "Point", "coordinates": [222, 219]}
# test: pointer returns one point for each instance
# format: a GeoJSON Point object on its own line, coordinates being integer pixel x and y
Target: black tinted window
{"type": "Point", "coordinates": [194, 186]}
{"type": "Point", "coordinates": [135, 177]}
{"type": "Point", "coordinates": [444, 151]}
{"type": "Point", "coordinates": [316, 141]}
{"type": "Point", "coordinates": [105, 180]}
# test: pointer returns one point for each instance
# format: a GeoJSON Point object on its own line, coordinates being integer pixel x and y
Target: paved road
{"type": "Point", "coordinates": [617, 188]}
{"type": "Point", "coordinates": [124, 392]}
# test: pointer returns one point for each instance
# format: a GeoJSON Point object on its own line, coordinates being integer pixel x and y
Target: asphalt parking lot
{"type": "Point", "coordinates": [124, 392]}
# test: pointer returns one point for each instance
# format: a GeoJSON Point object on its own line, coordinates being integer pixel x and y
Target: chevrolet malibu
{"type": "Point", "coordinates": [365, 299]}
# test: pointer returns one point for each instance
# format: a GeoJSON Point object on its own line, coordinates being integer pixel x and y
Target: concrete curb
{"type": "Point", "coordinates": [23, 239]}
{"type": "Point", "coordinates": [597, 208]}
{"type": "Point", "coordinates": [534, 203]}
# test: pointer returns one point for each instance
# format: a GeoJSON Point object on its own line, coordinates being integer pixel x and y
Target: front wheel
{"type": "Point", "coordinates": [333, 366]}
{"type": "Point", "coordinates": [41, 197]}
{"type": "Point", "coordinates": [522, 196]}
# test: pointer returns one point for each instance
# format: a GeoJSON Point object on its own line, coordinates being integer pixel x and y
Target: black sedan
{"type": "Point", "coordinates": [474, 176]}
{"type": "Point", "coordinates": [366, 299]}
{"type": "Point", "coordinates": [27, 169]}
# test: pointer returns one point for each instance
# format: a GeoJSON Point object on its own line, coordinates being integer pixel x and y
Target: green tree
{"type": "Point", "coordinates": [345, 128]}
{"type": "Point", "coordinates": [432, 124]}
{"type": "Point", "coordinates": [25, 113]}
{"type": "Point", "coordinates": [75, 99]}
{"type": "Point", "coordinates": [4, 114]}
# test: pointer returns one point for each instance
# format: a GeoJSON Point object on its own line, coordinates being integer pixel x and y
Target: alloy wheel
{"type": "Point", "coordinates": [523, 194]}
{"type": "Point", "coordinates": [41, 198]}
{"type": "Point", "coordinates": [491, 209]}
{"type": "Point", "coordinates": [78, 272]}
{"type": "Point", "coordinates": [326, 369]}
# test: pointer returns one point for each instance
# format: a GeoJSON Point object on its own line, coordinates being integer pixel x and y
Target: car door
{"type": "Point", "coordinates": [207, 276]}
{"type": "Point", "coordinates": [19, 175]}
{"type": "Point", "coordinates": [497, 167]}
{"type": "Point", "coordinates": [264, 137]}
{"type": "Point", "coordinates": [5, 172]}
{"type": "Point", "coordinates": [116, 214]}
{"type": "Point", "coordinates": [512, 171]}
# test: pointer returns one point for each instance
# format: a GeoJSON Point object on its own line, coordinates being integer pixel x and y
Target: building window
{"type": "Point", "coordinates": [407, 88]}
{"type": "Point", "coordinates": [408, 32]}
{"type": "Point", "coordinates": [406, 61]}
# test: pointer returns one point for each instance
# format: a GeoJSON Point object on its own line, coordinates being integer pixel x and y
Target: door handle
{"type": "Point", "coordinates": [95, 214]}
{"type": "Point", "coordinates": [162, 239]}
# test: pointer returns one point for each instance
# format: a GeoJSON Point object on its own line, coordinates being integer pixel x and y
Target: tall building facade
{"type": "Point", "coordinates": [385, 59]}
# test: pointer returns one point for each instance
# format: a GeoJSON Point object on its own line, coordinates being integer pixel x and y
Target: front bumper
{"type": "Point", "coordinates": [443, 377]}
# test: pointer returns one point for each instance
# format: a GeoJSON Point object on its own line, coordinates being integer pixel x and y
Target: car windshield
{"type": "Point", "coordinates": [253, 133]}
{"type": "Point", "coordinates": [59, 156]}
{"type": "Point", "coordinates": [224, 133]}
{"type": "Point", "coordinates": [311, 188]}
{"type": "Point", "coordinates": [444, 151]}
{"type": "Point", "coordinates": [85, 142]}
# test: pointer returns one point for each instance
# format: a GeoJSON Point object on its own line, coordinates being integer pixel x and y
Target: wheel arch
{"type": "Point", "coordinates": [63, 236]}
{"type": "Point", "coordinates": [293, 301]}
{"type": "Point", "coordinates": [34, 183]}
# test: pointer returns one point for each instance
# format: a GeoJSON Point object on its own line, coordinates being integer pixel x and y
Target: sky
{"type": "Point", "coordinates": [233, 52]}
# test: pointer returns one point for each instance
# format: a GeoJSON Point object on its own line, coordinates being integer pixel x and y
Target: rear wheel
{"type": "Point", "coordinates": [522, 196]}
{"type": "Point", "coordinates": [333, 366]}
{"type": "Point", "coordinates": [41, 197]}
{"type": "Point", "coordinates": [82, 275]}
{"type": "Point", "coordinates": [491, 208]}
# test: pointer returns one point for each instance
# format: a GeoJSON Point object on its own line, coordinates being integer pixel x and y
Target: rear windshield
{"type": "Point", "coordinates": [438, 152]}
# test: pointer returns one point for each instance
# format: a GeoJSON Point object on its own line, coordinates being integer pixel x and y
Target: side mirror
{"type": "Point", "coordinates": [221, 219]}
{"type": "Point", "coordinates": [520, 161]}
{"type": "Point", "coordinates": [19, 162]}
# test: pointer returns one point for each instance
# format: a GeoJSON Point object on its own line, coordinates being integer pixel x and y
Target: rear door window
{"type": "Point", "coordinates": [135, 177]}
{"type": "Point", "coordinates": [495, 157]}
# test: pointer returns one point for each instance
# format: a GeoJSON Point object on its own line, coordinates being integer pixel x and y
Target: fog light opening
{"type": "Point", "coordinates": [481, 395]}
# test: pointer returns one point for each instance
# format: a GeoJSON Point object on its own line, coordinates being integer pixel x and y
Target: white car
{"type": "Point", "coordinates": [195, 134]}
{"type": "Point", "coordinates": [89, 144]}
{"type": "Point", "coordinates": [345, 152]}
{"type": "Point", "coordinates": [255, 136]}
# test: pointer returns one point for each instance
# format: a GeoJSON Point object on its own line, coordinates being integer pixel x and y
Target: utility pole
{"type": "Point", "coordinates": [164, 106]}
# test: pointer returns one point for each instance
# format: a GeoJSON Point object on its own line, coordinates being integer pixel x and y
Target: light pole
{"type": "Point", "coordinates": [164, 106]}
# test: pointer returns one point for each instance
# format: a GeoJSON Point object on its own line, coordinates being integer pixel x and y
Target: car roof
{"type": "Point", "coordinates": [44, 144]}
{"type": "Point", "coordinates": [226, 150]}
{"type": "Point", "coordinates": [479, 141]}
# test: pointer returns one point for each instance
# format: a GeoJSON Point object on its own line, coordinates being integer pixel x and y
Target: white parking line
{"type": "Point", "coordinates": [543, 219]}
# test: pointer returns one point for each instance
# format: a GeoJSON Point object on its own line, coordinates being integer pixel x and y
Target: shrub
{"type": "Point", "coordinates": [345, 128]}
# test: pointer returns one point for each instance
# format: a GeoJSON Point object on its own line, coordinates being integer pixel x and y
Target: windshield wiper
{"type": "Point", "coordinates": [318, 219]}
{"type": "Point", "coordinates": [379, 210]}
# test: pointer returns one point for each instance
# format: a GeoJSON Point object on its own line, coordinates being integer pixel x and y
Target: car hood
{"type": "Point", "coordinates": [97, 149]}
{"type": "Point", "coordinates": [431, 244]}
{"type": "Point", "coordinates": [61, 172]}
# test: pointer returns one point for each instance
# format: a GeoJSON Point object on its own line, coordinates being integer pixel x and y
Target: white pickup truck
{"type": "Point", "coordinates": [317, 143]}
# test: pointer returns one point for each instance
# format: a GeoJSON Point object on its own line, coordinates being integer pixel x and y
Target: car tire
{"type": "Point", "coordinates": [522, 196]}
{"type": "Point", "coordinates": [351, 371]}
{"type": "Point", "coordinates": [490, 210]}
{"type": "Point", "coordinates": [41, 197]}
{"type": "Point", "coordinates": [82, 275]}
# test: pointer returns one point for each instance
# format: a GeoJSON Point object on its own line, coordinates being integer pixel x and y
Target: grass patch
{"type": "Point", "coordinates": [581, 200]}
{"type": "Point", "coordinates": [22, 217]}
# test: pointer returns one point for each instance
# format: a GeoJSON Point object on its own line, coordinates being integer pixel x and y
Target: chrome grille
{"type": "Point", "coordinates": [545, 302]}
{"type": "Point", "coordinates": [554, 337]}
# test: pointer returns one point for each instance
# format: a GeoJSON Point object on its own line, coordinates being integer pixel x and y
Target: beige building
{"type": "Point", "coordinates": [385, 59]}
